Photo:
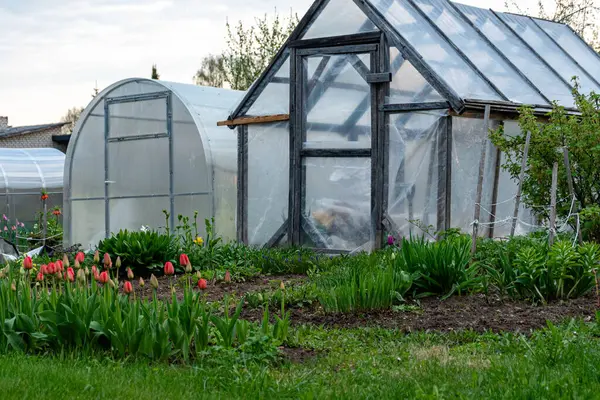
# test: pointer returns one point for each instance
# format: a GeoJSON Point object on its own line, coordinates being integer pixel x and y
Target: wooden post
{"type": "Point", "coordinates": [479, 195]}
{"type": "Point", "coordinates": [553, 203]}
{"type": "Point", "coordinates": [571, 187]}
{"type": "Point", "coordinates": [520, 187]}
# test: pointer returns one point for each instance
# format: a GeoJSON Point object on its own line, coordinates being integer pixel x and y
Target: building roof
{"type": "Point", "coordinates": [22, 130]}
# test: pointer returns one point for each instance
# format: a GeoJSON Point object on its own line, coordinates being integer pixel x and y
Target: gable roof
{"type": "Point", "coordinates": [465, 53]}
{"type": "Point", "coordinates": [23, 130]}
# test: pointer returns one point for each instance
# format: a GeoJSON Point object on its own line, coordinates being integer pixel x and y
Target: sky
{"type": "Point", "coordinates": [53, 53]}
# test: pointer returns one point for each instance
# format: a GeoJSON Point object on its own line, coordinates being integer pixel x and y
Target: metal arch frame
{"type": "Point", "coordinates": [565, 52]}
{"type": "Point", "coordinates": [528, 46]}
{"type": "Point", "coordinates": [167, 96]}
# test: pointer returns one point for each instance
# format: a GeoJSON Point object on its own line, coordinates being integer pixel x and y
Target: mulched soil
{"type": "Point", "coordinates": [478, 312]}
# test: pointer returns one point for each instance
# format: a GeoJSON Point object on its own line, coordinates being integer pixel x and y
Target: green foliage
{"type": "Point", "coordinates": [580, 135]}
{"type": "Point", "coordinates": [142, 251]}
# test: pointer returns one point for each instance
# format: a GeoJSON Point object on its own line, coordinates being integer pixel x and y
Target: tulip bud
{"type": "Point", "coordinates": [173, 291]}
{"type": "Point", "coordinates": [40, 277]}
{"type": "Point", "coordinates": [184, 260]}
{"type": "Point", "coordinates": [127, 287]}
{"type": "Point", "coordinates": [118, 262]}
{"type": "Point", "coordinates": [142, 283]}
{"type": "Point", "coordinates": [169, 268]}
{"type": "Point", "coordinates": [107, 261]}
{"type": "Point", "coordinates": [66, 261]}
{"type": "Point", "coordinates": [198, 275]}
{"type": "Point", "coordinates": [86, 271]}
{"type": "Point", "coordinates": [96, 257]}
{"type": "Point", "coordinates": [44, 269]}
{"type": "Point", "coordinates": [81, 276]}
{"type": "Point", "coordinates": [59, 265]}
{"type": "Point", "coordinates": [70, 274]}
{"type": "Point", "coordinates": [188, 268]}
{"type": "Point", "coordinates": [129, 273]}
{"type": "Point", "coordinates": [227, 277]}
{"type": "Point", "coordinates": [112, 284]}
{"type": "Point", "coordinates": [77, 265]}
{"type": "Point", "coordinates": [202, 284]}
{"type": "Point", "coordinates": [13, 287]}
{"type": "Point", "coordinates": [281, 286]}
{"type": "Point", "coordinates": [103, 277]}
{"type": "Point", "coordinates": [154, 282]}
{"type": "Point", "coordinates": [27, 263]}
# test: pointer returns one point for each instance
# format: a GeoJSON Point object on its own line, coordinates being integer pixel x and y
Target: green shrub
{"type": "Point", "coordinates": [142, 251]}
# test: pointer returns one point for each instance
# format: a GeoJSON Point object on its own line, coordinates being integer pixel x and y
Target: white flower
{"type": "Point", "coordinates": [144, 229]}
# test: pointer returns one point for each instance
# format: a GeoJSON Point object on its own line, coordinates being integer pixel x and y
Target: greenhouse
{"type": "Point", "coordinates": [373, 119]}
{"type": "Point", "coordinates": [143, 148]}
{"type": "Point", "coordinates": [25, 174]}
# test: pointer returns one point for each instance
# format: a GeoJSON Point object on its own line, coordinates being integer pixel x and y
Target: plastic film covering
{"type": "Point", "coordinates": [275, 97]}
{"type": "Point", "coordinates": [338, 203]}
{"type": "Point", "coordinates": [339, 17]}
{"type": "Point", "coordinates": [434, 49]}
{"type": "Point", "coordinates": [337, 100]}
{"type": "Point", "coordinates": [568, 40]}
{"type": "Point", "coordinates": [24, 173]}
{"type": "Point", "coordinates": [408, 85]}
{"type": "Point", "coordinates": [468, 137]}
{"type": "Point", "coordinates": [202, 162]}
{"type": "Point", "coordinates": [518, 53]}
{"type": "Point", "coordinates": [415, 143]}
{"type": "Point", "coordinates": [545, 47]}
{"type": "Point", "coordinates": [485, 58]}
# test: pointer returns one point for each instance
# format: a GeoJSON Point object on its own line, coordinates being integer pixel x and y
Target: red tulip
{"type": "Point", "coordinates": [202, 284]}
{"type": "Point", "coordinates": [44, 269]}
{"type": "Point", "coordinates": [59, 265]}
{"type": "Point", "coordinates": [94, 270]}
{"type": "Point", "coordinates": [129, 273]}
{"type": "Point", "coordinates": [96, 276]}
{"type": "Point", "coordinates": [127, 287]}
{"type": "Point", "coordinates": [40, 277]}
{"type": "Point", "coordinates": [80, 257]}
{"type": "Point", "coordinates": [103, 277]}
{"type": "Point", "coordinates": [107, 260]}
{"type": "Point", "coordinates": [51, 268]}
{"type": "Point", "coordinates": [227, 277]}
{"type": "Point", "coordinates": [27, 263]}
{"type": "Point", "coordinates": [184, 260]}
{"type": "Point", "coordinates": [70, 275]}
{"type": "Point", "coordinates": [169, 269]}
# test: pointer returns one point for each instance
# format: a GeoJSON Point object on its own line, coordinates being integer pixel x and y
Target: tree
{"type": "Point", "coordinates": [581, 15]}
{"type": "Point", "coordinates": [71, 118]}
{"type": "Point", "coordinates": [155, 74]}
{"type": "Point", "coordinates": [211, 72]}
{"type": "Point", "coordinates": [580, 135]}
{"type": "Point", "coordinates": [249, 52]}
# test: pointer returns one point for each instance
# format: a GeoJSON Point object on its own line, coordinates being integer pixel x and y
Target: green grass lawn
{"type": "Point", "coordinates": [555, 363]}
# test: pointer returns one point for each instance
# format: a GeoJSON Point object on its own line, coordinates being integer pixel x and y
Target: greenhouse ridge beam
{"type": "Point", "coordinates": [313, 12]}
{"type": "Point", "coordinates": [412, 55]}
{"type": "Point", "coordinates": [564, 51]}
{"type": "Point", "coordinates": [458, 51]}
{"type": "Point", "coordinates": [500, 53]}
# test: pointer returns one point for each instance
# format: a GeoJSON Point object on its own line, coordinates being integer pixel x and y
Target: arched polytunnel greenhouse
{"type": "Point", "coordinates": [143, 147]}
{"type": "Point", "coordinates": [25, 175]}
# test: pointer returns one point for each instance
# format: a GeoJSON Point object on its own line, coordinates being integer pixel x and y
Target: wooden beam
{"type": "Point", "coordinates": [332, 41]}
{"type": "Point", "coordinates": [255, 120]}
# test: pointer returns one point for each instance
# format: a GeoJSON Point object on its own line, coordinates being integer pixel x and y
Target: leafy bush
{"type": "Point", "coordinates": [142, 251]}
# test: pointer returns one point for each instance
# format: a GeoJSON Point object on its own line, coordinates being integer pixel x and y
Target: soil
{"type": "Point", "coordinates": [479, 313]}
{"type": "Point", "coordinates": [299, 355]}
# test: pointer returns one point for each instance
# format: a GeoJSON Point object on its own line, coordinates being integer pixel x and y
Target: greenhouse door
{"type": "Point", "coordinates": [336, 132]}
{"type": "Point", "coordinates": [138, 161]}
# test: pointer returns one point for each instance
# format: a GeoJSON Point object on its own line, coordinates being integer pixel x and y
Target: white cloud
{"type": "Point", "coordinates": [53, 52]}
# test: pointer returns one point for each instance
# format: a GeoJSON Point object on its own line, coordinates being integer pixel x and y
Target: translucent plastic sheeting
{"type": "Point", "coordinates": [87, 223]}
{"type": "Point", "coordinates": [275, 97]}
{"type": "Point", "coordinates": [339, 17]}
{"type": "Point", "coordinates": [568, 40]}
{"type": "Point", "coordinates": [434, 49]}
{"type": "Point", "coordinates": [413, 169]}
{"type": "Point", "coordinates": [468, 137]}
{"type": "Point", "coordinates": [518, 53]}
{"type": "Point", "coordinates": [408, 85]}
{"type": "Point", "coordinates": [338, 202]}
{"type": "Point", "coordinates": [483, 56]}
{"type": "Point", "coordinates": [553, 54]}
{"type": "Point", "coordinates": [138, 118]}
{"type": "Point", "coordinates": [337, 102]}
{"type": "Point", "coordinates": [268, 180]}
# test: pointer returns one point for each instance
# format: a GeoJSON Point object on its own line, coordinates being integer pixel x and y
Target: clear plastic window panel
{"type": "Point", "coordinates": [553, 54]}
{"type": "Point", "coordinates": [338, 203]}
{"type": "Point", "coordinates": [485, 58]}
{"type": "Point", "coordinates": [339, 17]}
{"type": "Point", "coordinates": [434, 49]}
{"type": "Point", "coordinates": [87, 222]}
{"type": "Point", "coordinates": [468, 137]}
{"type": "Point", "coordinates": [268, 180]}
{"type": "Point", "coordinates": [275, 97]}
{"type": "Point", "coordinates": [518, 53]}
{"type": "Point", "coordinates": [568, 40]}
{"type": "Point", "coordinates": [188, 205]}
{"type": "Point", "coordinates": [337, 100]}
{"type": "Point", "coordinates": [147, 117]}
{"type": "Point", "coordinates": [413, 170]}
{"type": "Point", "coordinates": [87, 163]}
{"type": "Point", "coordinates": [408, 85]}
{"type": "Point", "coordinates": [131, 214]}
